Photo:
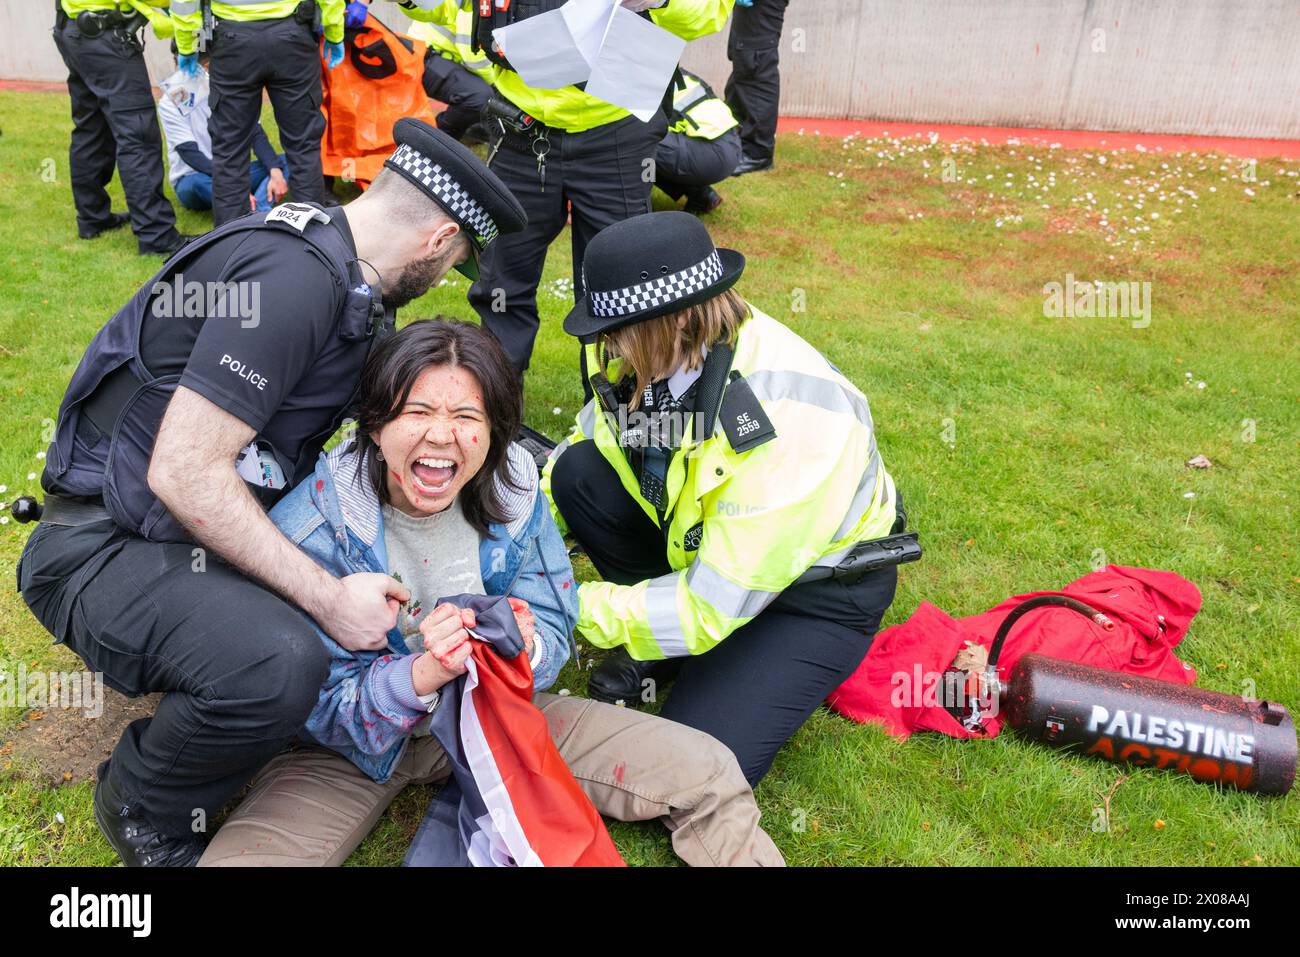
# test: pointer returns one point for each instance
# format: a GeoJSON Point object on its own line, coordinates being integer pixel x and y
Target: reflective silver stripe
{"type": "Point", "coordinates": [452, 35]}
{"type": "Point", "coordinates": [863, 496]}
{"type": "Point", "coordinates": [771, 385]}
{"type": "Point", "coordinates": [587, 419]}
{"type": "Point", "coordinates": [249, 3]}
{"type": "Point", "coordinates": [182, 8]}
{"type": "Point", "coordinates": [662, 618]}
{"type": "Point", "coordinates": [732, 600]}
{"type": "Point", "coordinates": [688, 98]}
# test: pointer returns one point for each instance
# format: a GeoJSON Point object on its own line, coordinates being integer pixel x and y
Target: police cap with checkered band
{"type": "Point", "coordinates": [451, 175]}
{"type": "Point", "coordinates": [647, 266]}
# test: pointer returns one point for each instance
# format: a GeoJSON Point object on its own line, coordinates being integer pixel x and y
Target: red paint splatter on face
{"type": "Point", "coordinates": [474, 438]}
{"type": "Point", "coordinates": [397, 478]}
{"type": "Point", "coordinates": [619, 770]}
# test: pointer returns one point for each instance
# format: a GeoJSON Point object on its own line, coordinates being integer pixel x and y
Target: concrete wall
{"type": "Point", "coordinates": [1214, 67]}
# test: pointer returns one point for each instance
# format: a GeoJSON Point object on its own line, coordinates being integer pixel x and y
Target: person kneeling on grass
{"type": "Point", "coordinates": [726, 482]}
{"type": "Point", "coordinates": [432, 489]}
{"type": "Point", "coordinates": [184, 111]}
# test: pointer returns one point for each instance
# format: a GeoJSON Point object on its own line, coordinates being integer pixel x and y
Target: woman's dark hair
{"type": "Point", "coordinates": [386, 382]}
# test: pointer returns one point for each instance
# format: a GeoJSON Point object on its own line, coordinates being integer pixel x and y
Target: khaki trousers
{"type": "Point", "coordinates": [312, 806]}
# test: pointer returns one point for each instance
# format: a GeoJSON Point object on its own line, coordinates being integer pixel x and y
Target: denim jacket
{"type": "Point", "coordinates": [336, 519]}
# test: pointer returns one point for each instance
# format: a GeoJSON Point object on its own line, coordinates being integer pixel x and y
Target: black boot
{"type": "Point", "coordinates": [750, 164]}
{"type": "Point", "coordinates": [136, 841]}
{"type": "Point", "coordinates": [701, 200]}
{"type": "Point", "coordinates": [115, 221]}
{"type": "Point", "coordinates": [620, 679]}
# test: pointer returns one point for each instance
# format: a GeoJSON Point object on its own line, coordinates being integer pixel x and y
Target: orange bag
{"type": "Point", "coordinates": [379, 82]}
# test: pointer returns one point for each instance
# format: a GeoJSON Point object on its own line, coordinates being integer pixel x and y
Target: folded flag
{"type": "Point", "coordinates": [512, 801]}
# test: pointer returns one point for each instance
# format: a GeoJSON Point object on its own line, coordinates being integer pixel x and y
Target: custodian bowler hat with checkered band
{"type": "Point", "coordinates": [451, 175]}
{"type": "Point", "coordinates": [648, 266]}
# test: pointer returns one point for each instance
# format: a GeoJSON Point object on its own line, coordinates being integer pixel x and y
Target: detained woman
{"type": "Point", "coordinates": [433, 491]}
{"type": "Point", "coordinates": [723, 480]}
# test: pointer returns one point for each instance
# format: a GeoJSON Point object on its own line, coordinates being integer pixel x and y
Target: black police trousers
{"type": "Point", "coordinates": [760, 684]}
{"type": "Point", "coordinates": [686, 163]}
{"type": "Point", "coordinates": [283, 57]}
{"type": "Point", "coordinates": [600, 176]}
{"type": "Point", "coordinates": [464, 93]}
{"type": "Point", "coordinates": [753, 90]}
{"type": "Point", "coordinates": [241, 667]}
{"type": "Point", "coordinates": [114, 122]}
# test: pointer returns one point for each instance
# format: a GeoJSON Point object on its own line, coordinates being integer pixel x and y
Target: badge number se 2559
{"type": "Point", "coordinates": [743, 419]}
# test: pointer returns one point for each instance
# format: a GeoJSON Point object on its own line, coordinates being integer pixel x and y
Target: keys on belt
{"type": "Point", "coordinates": [510, 119]}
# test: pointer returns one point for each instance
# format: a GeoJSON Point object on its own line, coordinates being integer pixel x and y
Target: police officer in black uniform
{"type": "Point", "coordinates": [753, 90]}
{"type": "Point", "coordinates": [210, 393]}
{"type": "Point", "coordinates": [278, 53]}
{"type": "Point", "coordinates": [113, 123]}
{"type": "Point", "coordinates": [569, 157]}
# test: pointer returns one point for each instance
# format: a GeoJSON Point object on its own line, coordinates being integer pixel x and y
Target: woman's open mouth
{"type": "Point", "coordinates": [430, 476]}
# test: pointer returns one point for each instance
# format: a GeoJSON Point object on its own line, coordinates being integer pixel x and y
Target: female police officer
{"type": "Point", "coordinates": [722, 480]}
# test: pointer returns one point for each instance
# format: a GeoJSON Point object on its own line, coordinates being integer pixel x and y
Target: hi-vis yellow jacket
{"type": "Point", "coordinates": [188, 17]}
{"type": "Point", "coordinates": [157, 17]}
{"type": "Point", "coordinates": [698, 112]}
{"type": "Point", "coordinates": [765, 516]}
{"type": "Point", "coordinates": [447, 28]}
{"type": "Point", "coordinates": [571, 109]}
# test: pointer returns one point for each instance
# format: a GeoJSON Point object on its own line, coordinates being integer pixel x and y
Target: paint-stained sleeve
{"type": "Point", "coordinates": [362, 703]}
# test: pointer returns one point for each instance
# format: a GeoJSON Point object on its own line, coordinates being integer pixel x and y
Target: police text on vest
{"type": "Point", "coordinates": [254, 377]}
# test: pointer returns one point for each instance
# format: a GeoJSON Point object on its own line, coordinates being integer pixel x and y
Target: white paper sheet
{"type": "Point", "coordinates": [543, 51]}
{"type": "Point", "coordinates": [635, 65]}
{"type": "Point", "coordinates": [588, 20]}
{"type": "Point", "coordinates": [624, 59]}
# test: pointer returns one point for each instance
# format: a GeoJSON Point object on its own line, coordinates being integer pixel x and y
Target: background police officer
{"type": "Point", "coordinates": [753, 90]}
{"type": "Point", "coordinates": [454, 73]}
{"type": "Point", "coordinates": [702, 146]}
{"type": "Point", "coordinates": [113, 120]}
{"type": "Point", "coordinates": [155, 561]}
{"type": "Point", "coordinates": [582, 159]}
{"type": "Point", "coordinates": [269, 46]}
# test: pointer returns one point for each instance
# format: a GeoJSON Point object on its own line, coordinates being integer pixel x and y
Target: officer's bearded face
{"type": "Point", "coordinates": [421, 275]}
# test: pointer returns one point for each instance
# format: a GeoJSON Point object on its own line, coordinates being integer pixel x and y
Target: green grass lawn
{"type": "Point", "coordinates": [1029, 449]}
